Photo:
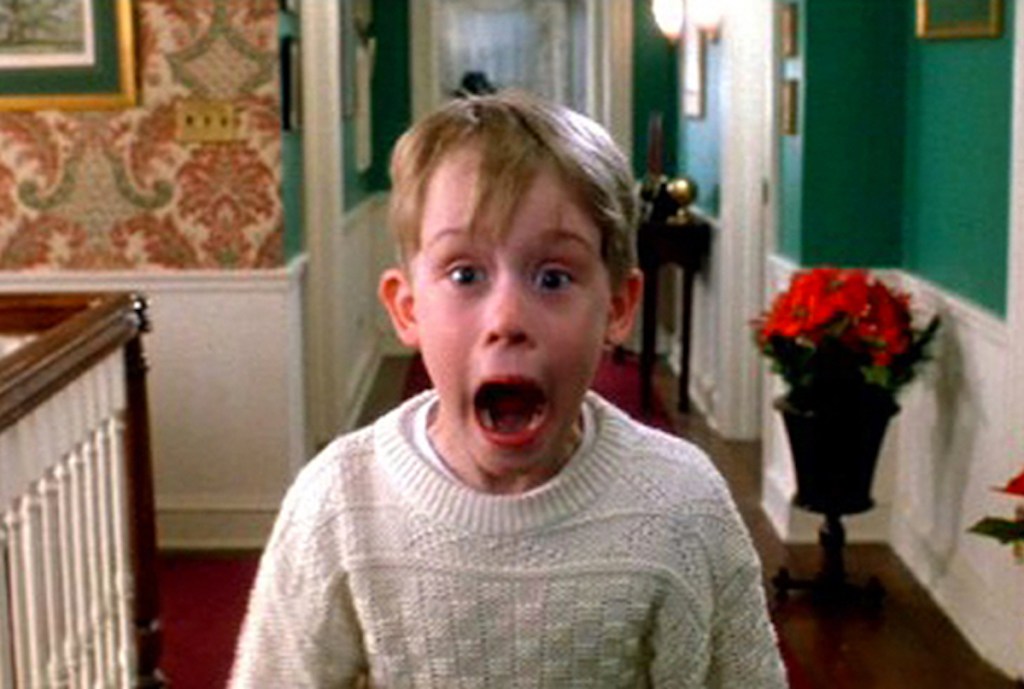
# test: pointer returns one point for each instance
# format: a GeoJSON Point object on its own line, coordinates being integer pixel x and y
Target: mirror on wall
{"type": "Point", "coordinates": [577, 52]}
{"type": "Point", "coordinates": [536, 45]}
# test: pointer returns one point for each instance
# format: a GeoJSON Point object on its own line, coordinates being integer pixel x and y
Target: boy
{"type": "Point", "coordinates": [509, 528]}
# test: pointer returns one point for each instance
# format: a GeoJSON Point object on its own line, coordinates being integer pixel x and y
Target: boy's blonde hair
{"type": "Point", "coordinates": [516, 136]}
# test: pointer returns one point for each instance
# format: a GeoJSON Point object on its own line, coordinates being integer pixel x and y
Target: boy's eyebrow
{"type": "Point", "coordinates": [552, 236]}
{"type": "Point", "coordinates": [563, 235]}
{"type": "Point", "coordinates": [443, 235]}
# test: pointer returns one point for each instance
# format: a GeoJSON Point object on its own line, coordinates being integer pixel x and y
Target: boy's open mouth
{"type": "Point", "coordinates": [511, 412]}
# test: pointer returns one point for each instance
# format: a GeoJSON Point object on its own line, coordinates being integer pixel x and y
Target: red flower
{"type": "Point", "coordinates": [837, 318]}
{"type": "Point", "coordinates": [1015, 485]}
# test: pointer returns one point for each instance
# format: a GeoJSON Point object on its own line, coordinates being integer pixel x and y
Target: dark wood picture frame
{"type": "Point", "coordinates": [291, 84]}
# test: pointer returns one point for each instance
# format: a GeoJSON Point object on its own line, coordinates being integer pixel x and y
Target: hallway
{"type": "Point", "coordinates": [908, 641]}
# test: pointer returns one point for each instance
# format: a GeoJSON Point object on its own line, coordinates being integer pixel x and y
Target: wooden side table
{"type": "Point", "coordinates": [661, 242]}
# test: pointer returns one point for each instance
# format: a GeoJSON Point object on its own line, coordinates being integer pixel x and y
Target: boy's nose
{"type": "Point", "coordinates": [507, 313]}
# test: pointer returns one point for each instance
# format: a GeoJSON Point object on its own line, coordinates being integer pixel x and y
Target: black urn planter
{"type": "Point", "coordinates": [835, 440]}
{"type": "Point", "coordinates": [835, 450]}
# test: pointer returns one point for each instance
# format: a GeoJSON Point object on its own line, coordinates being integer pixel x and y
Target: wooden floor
{"type": "Point", "coordinates": [904, 642]}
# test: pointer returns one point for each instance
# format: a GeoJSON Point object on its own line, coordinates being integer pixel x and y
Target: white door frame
{"type": "Point", "coordinates": [1015, 286]}
{"type": "Point", "coordinates": [747, 218]}
{"type": "Point", "coordinates": [323, 207]}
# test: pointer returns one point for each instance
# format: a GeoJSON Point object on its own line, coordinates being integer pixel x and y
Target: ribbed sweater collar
{"type": "Point", "coordinates": [429, 491]}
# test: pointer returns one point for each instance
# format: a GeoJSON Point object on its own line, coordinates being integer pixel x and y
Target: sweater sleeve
{"type": "Point", "coordinates": [301, 629]}
{"type": "Point", "coordinates": [744, 650]}
{"type": "Point", "coordinates": [730, 644]}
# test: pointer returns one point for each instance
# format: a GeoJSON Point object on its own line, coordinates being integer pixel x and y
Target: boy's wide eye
{"type": "Point", "coordinates": [550, 279]}
{"type": "Point", "coordinates": [465, 275]}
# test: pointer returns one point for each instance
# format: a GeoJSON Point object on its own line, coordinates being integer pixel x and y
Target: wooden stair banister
{"type": "Point", "coordinates": [69, 333]}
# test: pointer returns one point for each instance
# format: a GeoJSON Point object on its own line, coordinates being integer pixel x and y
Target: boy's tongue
{"type": "Point", "coordinates": [509, 408]}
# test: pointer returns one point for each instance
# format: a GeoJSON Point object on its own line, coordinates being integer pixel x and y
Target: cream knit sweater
{"type": "Point", "coordinates": [631, 568]}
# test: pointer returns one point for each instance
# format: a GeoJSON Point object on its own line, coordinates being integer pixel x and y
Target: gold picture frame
{"type": "Point", "coordinates": [104, 78]}
{"type": "Point", "coordinates": [790, 22]}
{"type": "Point", "coordinates": [946, 19]}
{"type": "Point", "coordinates": [790, 103]}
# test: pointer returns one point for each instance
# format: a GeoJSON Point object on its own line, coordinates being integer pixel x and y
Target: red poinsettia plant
{"type": "Point", "coordinates": [836, 331]}
{"type": "Point", "coordinates": [1005, 531]}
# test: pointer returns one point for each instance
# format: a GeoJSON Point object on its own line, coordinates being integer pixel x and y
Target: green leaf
{"type": "Point", "coordinates": [1003, 530]}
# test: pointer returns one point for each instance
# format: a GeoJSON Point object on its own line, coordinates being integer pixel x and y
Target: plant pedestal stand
{"type": "Point", "coordinates": [830, 585]}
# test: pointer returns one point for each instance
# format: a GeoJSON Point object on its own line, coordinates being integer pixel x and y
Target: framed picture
{"type": "Point", "coordinates": [959, 18]}
{"type": "Point", "coordinates": [790, 102]}
{"type": "Point", "coordinates": [349, 47]}
{"type": "Point", "coordinates": [693, 71]}
{"type": "Point", "coordinates": [790, 22]}
{"type": "Point", "coordinates": [291, 84]}
{"type": "Point", "coordinates": [76, 55]}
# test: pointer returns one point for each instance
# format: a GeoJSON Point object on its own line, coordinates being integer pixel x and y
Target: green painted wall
{"type": "Point", "coordinates": [791, 151]}
{"type": "Point", "coordinates": [655, 88]}
{"type": "Point", "coordinates": [956, 209]}
{"type": "Point", "coordinates": [291, 163]}
{"type": "Point", "coordinates": [849, 152]}
{"type": "Point", "coordinates": [392, 101]}
{"type": "Point", "coordinates": [902, 151]}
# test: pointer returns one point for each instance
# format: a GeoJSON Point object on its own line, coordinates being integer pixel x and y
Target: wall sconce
{"type": "Point", "coordinates": [668, 15]}
{"type": "Point", "coordinates": [707, 16]}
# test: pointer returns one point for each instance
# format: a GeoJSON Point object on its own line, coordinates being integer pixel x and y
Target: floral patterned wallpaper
{"type": "Point", "coordinates": [116, 191]}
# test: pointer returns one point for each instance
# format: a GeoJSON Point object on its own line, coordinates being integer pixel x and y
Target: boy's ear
{"type": "Point", "coordinates": [625, 301]}
{"type": "Point", "coordinates": [395, 293]}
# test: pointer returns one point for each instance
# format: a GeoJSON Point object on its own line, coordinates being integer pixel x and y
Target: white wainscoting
{"type": "Point", "coordinates": [944, 452]}
{"type": "Point", "coordinates": [955, 444]}
{"type": "Point", "coordinates": [226, 395]}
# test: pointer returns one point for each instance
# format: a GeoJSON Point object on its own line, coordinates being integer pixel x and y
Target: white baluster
{"type": "Point", "coordinates": [19, 625]}
{"type": "Point", "coordinates": [124, 589]}
{"type": "Point", "coordinates": [78, 546]}
{"type": "Point", "coordinates": [53, 574]}
{"type": "Point", "coordinates": [35, 600]}
{"type": "Point", "coordinates": [123, 579]}
{"type": "Point", "coordinates": [6, 642]}
{"type": "Point", "coordinates": [62, 475]}
{"type": "Point", "coordinates": [45, 426]}
{"type": "Point", "coordinates": [107, 517]}
{"type": "Point", "coordinates": [92, 509]}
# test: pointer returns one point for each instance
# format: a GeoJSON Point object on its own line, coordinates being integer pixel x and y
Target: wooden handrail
{"type": "Point", "coordinates": [74, 332]}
